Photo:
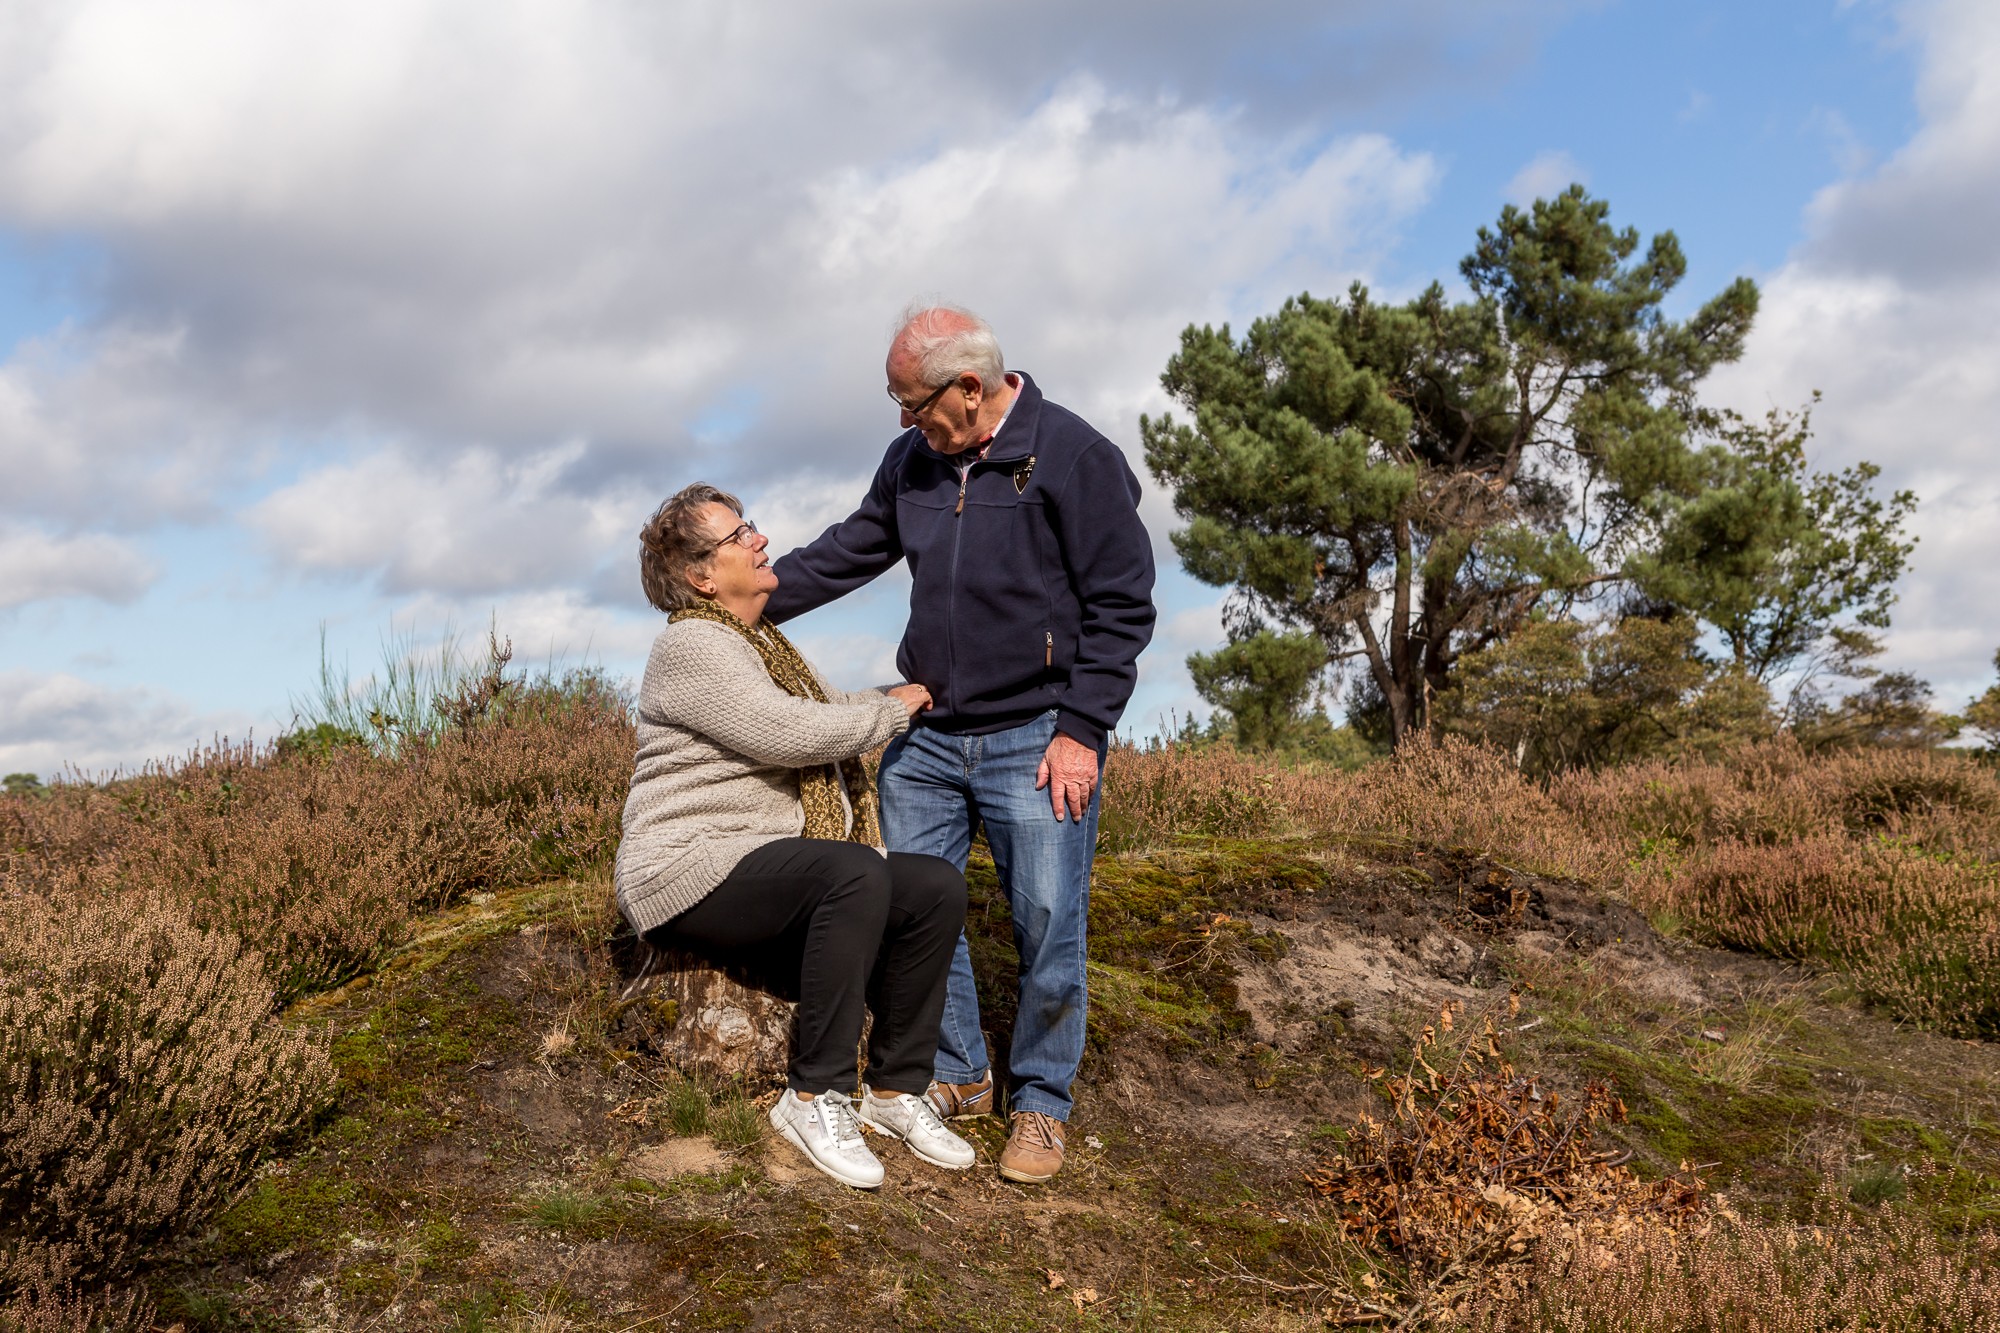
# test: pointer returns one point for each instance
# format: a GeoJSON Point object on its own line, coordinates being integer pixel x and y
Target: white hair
{"type": "Point", "coordinates": [948, 341]}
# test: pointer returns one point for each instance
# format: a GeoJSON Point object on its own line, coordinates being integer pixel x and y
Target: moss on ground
{"type": "Point", "coordinates": [1166, 938]}
{"type": "Point", "coordinates": [294, 1210]}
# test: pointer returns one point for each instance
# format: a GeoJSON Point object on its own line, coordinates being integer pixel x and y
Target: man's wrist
{"type": "Point", "coordinates": [1081, 731]}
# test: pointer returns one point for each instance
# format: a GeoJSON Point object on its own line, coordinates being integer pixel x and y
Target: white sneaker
{"type": "Point", "coordinates": [824, 1129]}
{"type": "Point", "coordinates": [915, 1121]}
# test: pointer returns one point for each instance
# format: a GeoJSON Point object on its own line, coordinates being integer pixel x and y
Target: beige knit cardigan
{"type": "Point", "coordinates": [720, 746]}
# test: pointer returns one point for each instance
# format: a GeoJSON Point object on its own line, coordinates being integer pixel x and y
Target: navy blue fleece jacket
{"type": "Point", "coordinates": [1032, 584]}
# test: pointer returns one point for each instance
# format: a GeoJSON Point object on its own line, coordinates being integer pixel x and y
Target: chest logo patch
{"type": "Point", "coordinates": [1022, 471]}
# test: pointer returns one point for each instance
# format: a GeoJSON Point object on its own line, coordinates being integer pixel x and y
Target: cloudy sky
{"type": "Point", "coordinates": [373, 317]}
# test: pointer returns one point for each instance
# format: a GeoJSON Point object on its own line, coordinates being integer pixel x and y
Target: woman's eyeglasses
{"type": "Point", "coordinates": [742, 536]}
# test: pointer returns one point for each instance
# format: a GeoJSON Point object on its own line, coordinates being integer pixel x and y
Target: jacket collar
{"type": "Point", "coordinates": [1017, 441]}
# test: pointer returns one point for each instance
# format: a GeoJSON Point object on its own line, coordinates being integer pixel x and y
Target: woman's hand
{"type": "Point", "coordinates": [914, 698]}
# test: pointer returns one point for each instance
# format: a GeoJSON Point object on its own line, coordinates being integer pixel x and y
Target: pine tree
{"type": "Point", "coordinates": [1409, 483]}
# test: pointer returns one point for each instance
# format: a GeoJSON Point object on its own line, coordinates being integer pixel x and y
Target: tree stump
{"type": "Point", "coordinates": [718, 1023]}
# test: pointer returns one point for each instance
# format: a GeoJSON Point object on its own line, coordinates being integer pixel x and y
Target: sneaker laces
{"type": "Point", "coordinates": [836, 1112]}
{"type": "Point", "coordinates": [927, 1118]}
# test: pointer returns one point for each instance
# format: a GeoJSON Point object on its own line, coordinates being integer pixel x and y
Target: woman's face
{"type": "Point", "coordinates": [738, 576]}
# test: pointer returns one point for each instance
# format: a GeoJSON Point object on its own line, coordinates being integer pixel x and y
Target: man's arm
{"type": "Point", "coordinates": [1110, 559]}
{"type": "Point", "coordinates": [845, 556]}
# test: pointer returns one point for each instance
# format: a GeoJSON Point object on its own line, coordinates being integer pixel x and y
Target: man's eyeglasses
{"type": "Point", "coordinates": [745, 531]}
{"type": "Point", "coordinates": [918, 410]}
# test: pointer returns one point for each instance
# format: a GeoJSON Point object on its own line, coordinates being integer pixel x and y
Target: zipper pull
{"type": "Point", "coordinates": [961, 494]}
{"type": "Point", "coordinates": [1049, 648]}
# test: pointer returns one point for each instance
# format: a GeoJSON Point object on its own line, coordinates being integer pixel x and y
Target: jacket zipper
{"type": "Point", "coordinates": [1048, 649]}
{"type": "Point", "coordinates": [951, 597]}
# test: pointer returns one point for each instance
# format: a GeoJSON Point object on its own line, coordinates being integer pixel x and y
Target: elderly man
{"type": "Point", "coordinates": [1031, 600]}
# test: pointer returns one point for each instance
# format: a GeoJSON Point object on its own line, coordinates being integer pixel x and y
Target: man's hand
{"type": "Point", "coordinates": [1069, 771]}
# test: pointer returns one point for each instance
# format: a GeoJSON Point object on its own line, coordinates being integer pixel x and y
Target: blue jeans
{"type": "Point", "coordinates": [936, 790]}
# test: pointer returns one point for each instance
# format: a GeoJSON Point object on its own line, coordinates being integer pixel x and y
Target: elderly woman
{"type": "Point", "coordinates": [751, 829]}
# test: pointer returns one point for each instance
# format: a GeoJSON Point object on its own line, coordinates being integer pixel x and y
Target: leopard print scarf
{"type": "Point", "coordinates": [818, 792]}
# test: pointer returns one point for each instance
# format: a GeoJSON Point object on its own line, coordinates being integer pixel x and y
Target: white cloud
{"type": "Point", "coordinates": [1166, 692]}
{"type": "Point", "coordinates": [1892, 308]}
{"type": "Point", "coordinates": [50, 721]}
{"type": "Point", "coordinates": [1546, 174]}
{"type": "Point", "coordinates": [1929, 215]}
{"type": "Point", "coordinates": [558, 628]}
{"type": "Point", "coordinates": [452, 228]}
{"type": "Point", "coordinates": [35, 566]}
{"type": "Point", "coordinates": [472, 524]}
{"type": "Point", "coordinates": [791, 511]}
{"type": "Point", "coordinates": [851, 661]}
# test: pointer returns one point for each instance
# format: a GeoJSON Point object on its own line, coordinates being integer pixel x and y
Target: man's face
{"type": "Point", "coordinates": [949, 420]}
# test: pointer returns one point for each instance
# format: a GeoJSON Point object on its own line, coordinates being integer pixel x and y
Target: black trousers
{"type": "Point", "coordinates": [866, 931]}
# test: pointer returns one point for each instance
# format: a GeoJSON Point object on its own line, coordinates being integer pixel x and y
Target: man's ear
{"type": "Point", "coordinates": [974, 390]}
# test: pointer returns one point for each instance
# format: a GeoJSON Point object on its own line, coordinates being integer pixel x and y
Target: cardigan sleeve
{"type": "Point", "coordinates": [709, 680]}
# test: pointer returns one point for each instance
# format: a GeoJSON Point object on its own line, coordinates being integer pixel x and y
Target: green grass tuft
{"type": "Point", "coordinates": [736, 1125]}
{"type": "Point", "coordinates": [565, 1209]}
{"type": "Point", "coordinates": [1877, 1183]}
{"type": "Point", "coordinates": [685, 1103]}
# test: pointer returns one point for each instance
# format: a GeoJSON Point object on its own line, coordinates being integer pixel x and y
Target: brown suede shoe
{"type": "Point", "coordinates": [1034, 1151]}
{"type": "Point", "coordinates": [960, 1101]}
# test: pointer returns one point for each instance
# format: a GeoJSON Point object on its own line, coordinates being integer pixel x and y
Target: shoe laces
{"type": "Point", "coordinates": [1038, 1131]}
{"type": "Point", "coordinates": [928, 1120]}
{"type": "Point", "coordinates": [836, 1112]}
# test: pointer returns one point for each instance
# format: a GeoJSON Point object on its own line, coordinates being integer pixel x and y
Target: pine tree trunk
{"type": "Point", "coordinates": [713, 1023]}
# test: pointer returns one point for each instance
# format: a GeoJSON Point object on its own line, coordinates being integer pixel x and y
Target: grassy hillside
{"type": "Point", "coordinates": [323, 1038]}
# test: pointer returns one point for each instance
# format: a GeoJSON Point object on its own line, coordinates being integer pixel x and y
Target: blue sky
{"type": "Point", "coordinates": [380, 317]}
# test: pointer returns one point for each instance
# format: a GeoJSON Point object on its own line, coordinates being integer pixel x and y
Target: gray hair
{"type": "Point", "coordinates": [674, 544]}
{"type": "Point", "coordinates": [948, 341]}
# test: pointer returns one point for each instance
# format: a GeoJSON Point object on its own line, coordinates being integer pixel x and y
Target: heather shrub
{"type": "Point", "coordinates": [142, 1075]}
{"type": "Point", "coordinates": [1884, 1272]}
{"type": "Point", "coordinates": [1451, 793]}
{"type": "Point", "coordinates": [1916, 932]}
{"type": "Point", "coordinates": [554, 758]}
{"type": "Point", "coordinates": [1153, 795]}
{"type": "Point", "coordinates": [318, 855]}
{"type": "Point", "coordinates": [1457, 793]}
{"type": "Point", "coordinates": [1946, 802]}
{"type": "Point", "coordinates": [1947, 981]}
{"type": "Point", "coordinates": [316, 866]}
{"type": "Point", "coordinates": [1879, 863]}
{"type": "Point", "coordinates": [1771, 793]}
{"type": "Point", "coordinates": [69, 836]}
{"type": "Point", "coordinates": [37, 1307]}
{"type": "Point", "coordinates": [1777, 793]}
